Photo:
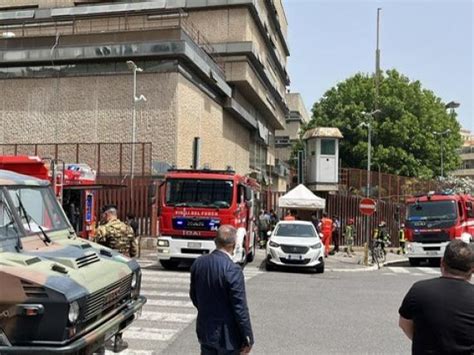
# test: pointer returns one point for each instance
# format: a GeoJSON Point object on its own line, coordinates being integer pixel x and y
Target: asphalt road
{"type": "Point", "coordinates": [293, 312]}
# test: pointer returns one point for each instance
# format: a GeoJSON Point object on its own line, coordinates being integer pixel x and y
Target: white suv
{"type": "Point", "coordinates": [295, 244]}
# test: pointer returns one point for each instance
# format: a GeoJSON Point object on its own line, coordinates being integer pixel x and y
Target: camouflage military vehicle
{"type": "Point", "coordinates": [59, 294]}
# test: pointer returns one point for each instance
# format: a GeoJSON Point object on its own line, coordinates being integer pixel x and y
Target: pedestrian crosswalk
{"type": "Point", "coordinates": [167, 312]}
{"type": "Point", "coordinates": [413, 271]}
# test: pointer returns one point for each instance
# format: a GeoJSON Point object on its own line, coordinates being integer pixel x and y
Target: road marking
{"type": "Point", "coordinates": [151, 272]}
{"type": "Point", "coordinates": [168, 317]}
{"type": "Point", "coordinates": [417, 274]}
{"type": "Point", "coordinates": [389, 273]}
{"type": "Point", "coordinates": [166, 294]}
{"type": "Point", "coordinates": [154, 334]}
{"type": "Point", "coordinates": [162, 285]}
{"type": "Point", "coordinates": [169, 303]}
{"type": "Point", "coordinates": [162, 280]}
{"type": "Point", "coordinates": [399, 270]}
{"type": "Point", "coordinates": [131, 352]}
{"type": "Point", "coordinates": [429, 270]}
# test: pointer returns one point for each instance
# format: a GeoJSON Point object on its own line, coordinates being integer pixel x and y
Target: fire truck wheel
{"type": "Point", "coordinates": [414, 262]}
{"type": "Point", "coordinates": [169, 264]}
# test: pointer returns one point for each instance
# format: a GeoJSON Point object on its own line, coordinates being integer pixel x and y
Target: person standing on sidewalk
{"type": "Point", "coordinates": [336, 229]}
{"type": "Point", "coordinates": [402, 239]}
{"type": "Point", "coordinates": [218, 292]}
{"type": "Point", "coordinates": [349, 237]}
{"type": "Point", "coordinates": [326, 227]}
{"type": "Point", "coordinates": [437, 315]}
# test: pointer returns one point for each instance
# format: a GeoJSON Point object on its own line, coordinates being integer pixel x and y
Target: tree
{"type": "Point", "coordinates": [403, 139]}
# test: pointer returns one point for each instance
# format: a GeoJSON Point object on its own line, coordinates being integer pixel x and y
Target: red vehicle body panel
{"type": "Point", "coordinates": [36, 167]}
{"type": "Point", "coordinates": [239, 214]}
{"type": "Point", "coordinates": [464, 223]}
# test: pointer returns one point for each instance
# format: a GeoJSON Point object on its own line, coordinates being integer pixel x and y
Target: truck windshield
{"type": "Point", "coordinates": [8, 227]}
{"type": "Point", "coordinates": [38, 209]}
{"type": "Point", "coordinates": [199, 193]}
{"type": "Point", "coordinates": [432, 210]}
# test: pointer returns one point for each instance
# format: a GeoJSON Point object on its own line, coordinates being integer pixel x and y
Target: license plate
{"type": "Point", "coordinates": [111, 332]}
{"type": "Point", "coordinates": [432, 252]}
{"type": "Point", "coordinates": [295, 256]}
{"type": "Point", "coordinates": [194, 245]}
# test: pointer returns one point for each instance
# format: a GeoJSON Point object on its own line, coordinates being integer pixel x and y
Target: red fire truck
{"type": "Point", "coordinates": [72, 183]}
{"type": "Point", "coordinates": [433, 220]}
{"type": "Point", "coordinates": [192, 206]}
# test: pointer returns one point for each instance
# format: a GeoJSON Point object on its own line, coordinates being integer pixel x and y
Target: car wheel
{"type": "Point", "coordinates": [169, 264]}
{"type": "Point", "coordinates": [414, 262]}
{"type": "Point", "coordinates": [319, 269]}
{"type": "Point", "coordinates": [269, 266]}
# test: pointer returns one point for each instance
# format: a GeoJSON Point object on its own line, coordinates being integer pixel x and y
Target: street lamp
{"type": "Point", "coordinates": [369, 116]}
{"type": "Point", "coordinates": [441, 135]}
{"type": "Point", "coordinates": [134, 68]}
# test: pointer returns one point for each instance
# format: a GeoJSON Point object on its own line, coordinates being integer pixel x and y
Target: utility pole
{"type": "Point", "coordinates": [369, 117]}
{"type": "Point", "coordinates": [377, 61]}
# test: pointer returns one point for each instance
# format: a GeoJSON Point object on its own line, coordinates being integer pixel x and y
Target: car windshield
{"type": "Point", "coordinates": [38, 209]}
{"type": "Point", "coordinates": [432, 210]}
{"type": "Point", "coordinates": [8, 227]}
{"type": "Point", "coordinates": [199, 193]}
{"type": "Point", "coordinates": [295, 230]}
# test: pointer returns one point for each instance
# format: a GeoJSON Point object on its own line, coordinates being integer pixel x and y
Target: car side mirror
{"type": "Point", "coordinates": [269, 233]}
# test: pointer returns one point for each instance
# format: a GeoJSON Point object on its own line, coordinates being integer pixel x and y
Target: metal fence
{"type": "Point", "coordinates": [138, 202]}
{"type": "Point", "coordinates": [346, 207]}
{"type": "Point", "coordinates": [105, 158]}
{"type": "Point", "coordinates": [383, 186]}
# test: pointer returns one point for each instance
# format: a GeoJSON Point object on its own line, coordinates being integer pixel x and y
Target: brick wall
{"type": "Point", "coordinates": [90, 109]}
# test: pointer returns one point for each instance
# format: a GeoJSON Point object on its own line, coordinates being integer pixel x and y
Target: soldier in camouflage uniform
{"type": "Point", "coordinates": [115, 234]}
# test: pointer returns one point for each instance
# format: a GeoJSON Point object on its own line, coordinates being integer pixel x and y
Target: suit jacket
{"type": "Point", "coordinates": [218, 293]}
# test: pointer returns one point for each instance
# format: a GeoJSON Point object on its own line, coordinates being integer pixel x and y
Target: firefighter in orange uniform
{"type": "Point", "coordinates": [326, 227]}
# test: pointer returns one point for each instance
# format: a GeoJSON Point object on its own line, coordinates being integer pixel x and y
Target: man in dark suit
{"type": "Point", "coordinates": [218, 292]}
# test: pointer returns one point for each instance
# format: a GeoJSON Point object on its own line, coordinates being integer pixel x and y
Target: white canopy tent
{"type": "Point", "coordinates": [301, 198]}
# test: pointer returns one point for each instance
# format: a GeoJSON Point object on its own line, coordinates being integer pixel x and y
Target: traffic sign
{"type": "Point", "coordinates": [367, 206]}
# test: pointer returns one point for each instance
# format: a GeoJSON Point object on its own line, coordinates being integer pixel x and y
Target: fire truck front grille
{"type": "Point", "coordinates": [431, 237]}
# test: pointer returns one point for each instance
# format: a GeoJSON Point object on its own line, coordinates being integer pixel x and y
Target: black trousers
{"type": "Point", "coordinates": [210, 350]}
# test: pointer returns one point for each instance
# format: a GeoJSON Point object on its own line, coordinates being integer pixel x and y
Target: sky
{"type": "Point", "coordinates": [427, 40]}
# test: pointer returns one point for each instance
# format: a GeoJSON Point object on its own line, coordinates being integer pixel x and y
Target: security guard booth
{"type": "Point", "coordinates": [322, 158]}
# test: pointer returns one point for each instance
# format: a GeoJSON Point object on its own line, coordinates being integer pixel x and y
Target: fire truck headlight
{"type": "Point", "coordinates": [163, 243]}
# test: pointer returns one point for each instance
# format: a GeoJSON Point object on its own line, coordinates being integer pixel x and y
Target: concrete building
{"type": "Point", "coordinates": [467, 155]}
{"type": "Point", "coordinates": [211, 69]}
{"type": "Point", "coordinates": [286, 138]}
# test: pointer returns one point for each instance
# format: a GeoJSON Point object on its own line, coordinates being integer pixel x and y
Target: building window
{"type": "Point", "coordinates": [328, 147]}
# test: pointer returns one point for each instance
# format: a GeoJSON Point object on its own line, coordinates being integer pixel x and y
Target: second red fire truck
{"type": "Point", "coordinates": [433, 220]}
{"type": "Point", "coordinates": [194, 203]}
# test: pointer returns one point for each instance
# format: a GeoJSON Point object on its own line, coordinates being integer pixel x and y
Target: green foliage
{"type": "Point", "coordinates": [403, 142]}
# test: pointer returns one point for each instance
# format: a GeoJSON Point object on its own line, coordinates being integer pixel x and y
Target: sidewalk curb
{"type": "Point", "coordinates": [369, 268]}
